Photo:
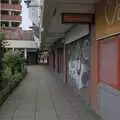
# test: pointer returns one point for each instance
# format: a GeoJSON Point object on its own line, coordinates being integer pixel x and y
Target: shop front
{"type": "Point", "coordinates": [78, 46]}
{"type": "Point", "coordinates": [108, 41]}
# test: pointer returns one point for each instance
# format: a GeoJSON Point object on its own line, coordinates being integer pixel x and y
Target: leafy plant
{"type": "Point", "coordinates": [13, 60]}
{"type": "Point", "coordinates": [6, 76]}
{"type": "Point", "coordinates": [42, 44]}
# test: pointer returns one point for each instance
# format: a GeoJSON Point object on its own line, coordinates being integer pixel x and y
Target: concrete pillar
{"type": "Point", "coordinates": [10, 1]}
{"type": "Point", "coordinates": [25, 53]}
{"type": "Point", "coordinates": [56, 60]}
{"type": "Point", "coordinates": [10, 24]}
{"type": "Point", "coordinates": [93, 83]}
{"type": "Point", "coordinates": [10, 13]}
{"type": "Point", "coordinates": [65, 63]}
{"type": "Point", "coordinates": [13, 49]}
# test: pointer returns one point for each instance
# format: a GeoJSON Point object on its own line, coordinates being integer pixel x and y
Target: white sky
{"type": "Point", "coordinates": [26, 23]}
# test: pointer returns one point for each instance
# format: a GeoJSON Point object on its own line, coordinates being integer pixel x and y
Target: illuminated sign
{"type": "Point", "coordinates": [77, 18]}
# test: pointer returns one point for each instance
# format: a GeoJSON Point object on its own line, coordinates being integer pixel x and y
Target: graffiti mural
{"type": "Point", "coordinates": [78, 63]}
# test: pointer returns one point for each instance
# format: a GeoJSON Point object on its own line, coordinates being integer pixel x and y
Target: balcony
{"type": "Point", "coordinates": [16, 7]}
{"type": "Point", "coordinates": [11, 18]}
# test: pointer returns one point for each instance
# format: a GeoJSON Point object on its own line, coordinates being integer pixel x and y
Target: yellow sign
{"type": "Point", "coordinates": [112, 11]}
{"type": "Point", "coordinates": [108, 18]}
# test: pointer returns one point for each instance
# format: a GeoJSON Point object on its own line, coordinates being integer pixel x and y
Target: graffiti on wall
{"type": "Point", "coordinates": [112, 11]}
{"type": "Point", "coordinates": [78, 63]}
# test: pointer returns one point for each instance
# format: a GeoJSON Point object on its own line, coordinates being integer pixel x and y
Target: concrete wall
{"type": "Point", "coordinates": [20, 44]}
{"type": "Point", "coordinates": [77, 32]}
{"type": "Point", "coordinates": [34, 12]}
{"type": "Point", "coordinates": [109, 102]}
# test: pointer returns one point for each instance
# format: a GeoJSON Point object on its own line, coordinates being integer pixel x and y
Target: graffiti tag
{"type": "Point", "coordinates": [112, 11]}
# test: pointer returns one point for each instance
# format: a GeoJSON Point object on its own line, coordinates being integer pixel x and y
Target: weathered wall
{"type": "Point", "coordinates": [108, 30]}
{"type": "Point", "coordinates": [78, 63]}
{"type": "Point", "coordinates": [109, 102]}
{"type": "Point", "coordinates": [107, 18]}
{"type": "Point", "coordinates": [77, 32]}
{"type": "Point", "coordinates": [78, 55]}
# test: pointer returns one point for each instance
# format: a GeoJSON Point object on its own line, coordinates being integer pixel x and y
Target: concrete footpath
{"type": "Point", "coordinates": [43, 96]}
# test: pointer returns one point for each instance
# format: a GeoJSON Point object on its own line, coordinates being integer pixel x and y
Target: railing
{"type": "Point", "coordinates": [10, 18]}
{"type": "Point", "coordinates": [6, 6]}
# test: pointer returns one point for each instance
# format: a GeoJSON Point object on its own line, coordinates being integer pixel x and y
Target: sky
{"type": "Point", "coordinates": [26, 23]}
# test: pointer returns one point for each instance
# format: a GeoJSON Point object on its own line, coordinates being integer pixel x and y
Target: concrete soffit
{"type": "Point", "coordinates": [52, 17]}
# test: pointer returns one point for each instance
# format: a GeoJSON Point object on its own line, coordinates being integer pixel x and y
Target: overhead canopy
{"type": "Point", "coordinates": [52, 22]}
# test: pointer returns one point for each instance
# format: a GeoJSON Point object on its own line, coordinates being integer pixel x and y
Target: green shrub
{"type": "Point", "coordinates": [6, 77]}
{"type": "Point", "coordinates": [13, 60]}
{"type": "Point", "coordinates": [17, 77]}
{"type": "Point", "coordinates": [13, 69]}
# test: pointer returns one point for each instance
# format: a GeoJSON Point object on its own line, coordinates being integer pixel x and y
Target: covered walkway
{"type": "Point", "coordinates": [43, 96]}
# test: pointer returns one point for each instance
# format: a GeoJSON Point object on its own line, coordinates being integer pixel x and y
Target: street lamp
{"type": "Point", "coordinates": [27, 2]}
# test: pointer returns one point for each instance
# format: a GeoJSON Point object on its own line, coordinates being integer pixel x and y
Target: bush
{"type": "Point", "coordinates": [6, 77]}
{"type": "Point", "coordinates": [13, 68]}
{"type": "Point", "coordinates": [13, 60]}
{"type": "Point", "coordinates": [18, 76]}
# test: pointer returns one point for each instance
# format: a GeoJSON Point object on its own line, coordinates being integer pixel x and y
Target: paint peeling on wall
{"type": "Point", "coordinates": [78, 63]}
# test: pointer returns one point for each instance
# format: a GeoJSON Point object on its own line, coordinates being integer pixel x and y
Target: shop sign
{"type": "Point", "coordinates": [76, 18]}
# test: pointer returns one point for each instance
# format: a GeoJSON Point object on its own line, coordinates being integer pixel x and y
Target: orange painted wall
{"type": "Point", "coordinates": [93, 70]}
{"type": "Point", "coordinates": [109, 61]}
{"type": "Point", "coordinates": [106, 23]}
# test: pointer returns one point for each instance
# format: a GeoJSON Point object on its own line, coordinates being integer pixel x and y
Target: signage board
{"type": "Point", "coordinates": [76, 18]}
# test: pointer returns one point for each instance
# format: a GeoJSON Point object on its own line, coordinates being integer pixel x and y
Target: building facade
{"type": "Point", "coordinates": [34, 15]}
{"type": "Point", "coordinates": [10, 13]}
{"type": "Point", "coordinates": [89, 39]}
{"type": "Point", "coordinates": [22, 40]}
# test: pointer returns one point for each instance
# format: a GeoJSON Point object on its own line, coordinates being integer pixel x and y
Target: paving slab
{"type": "Point", "coordinates": [44, 96]}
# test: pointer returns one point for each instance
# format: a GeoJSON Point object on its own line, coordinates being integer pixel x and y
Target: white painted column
{"type": "Point", "coordinates": [25, 53]}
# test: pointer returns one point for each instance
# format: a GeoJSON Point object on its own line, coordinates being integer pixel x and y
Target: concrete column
{"type": "Point", "coordinates": [93, 83]}
{"type": "Point", "coordinates": [10, 1]}
{"type": "Point", "coordinates": [10, 24]}
{"type": "Point", "coordinates": [13, 49]}
{"type": "Point", "coordinates": [10, 13]}
{"type": "Point", "coordinates": [65, 63]}
{"type": "Point", "coordinates": [56, 60]}
{"type": "Point", "coordinates": [25, 53]}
